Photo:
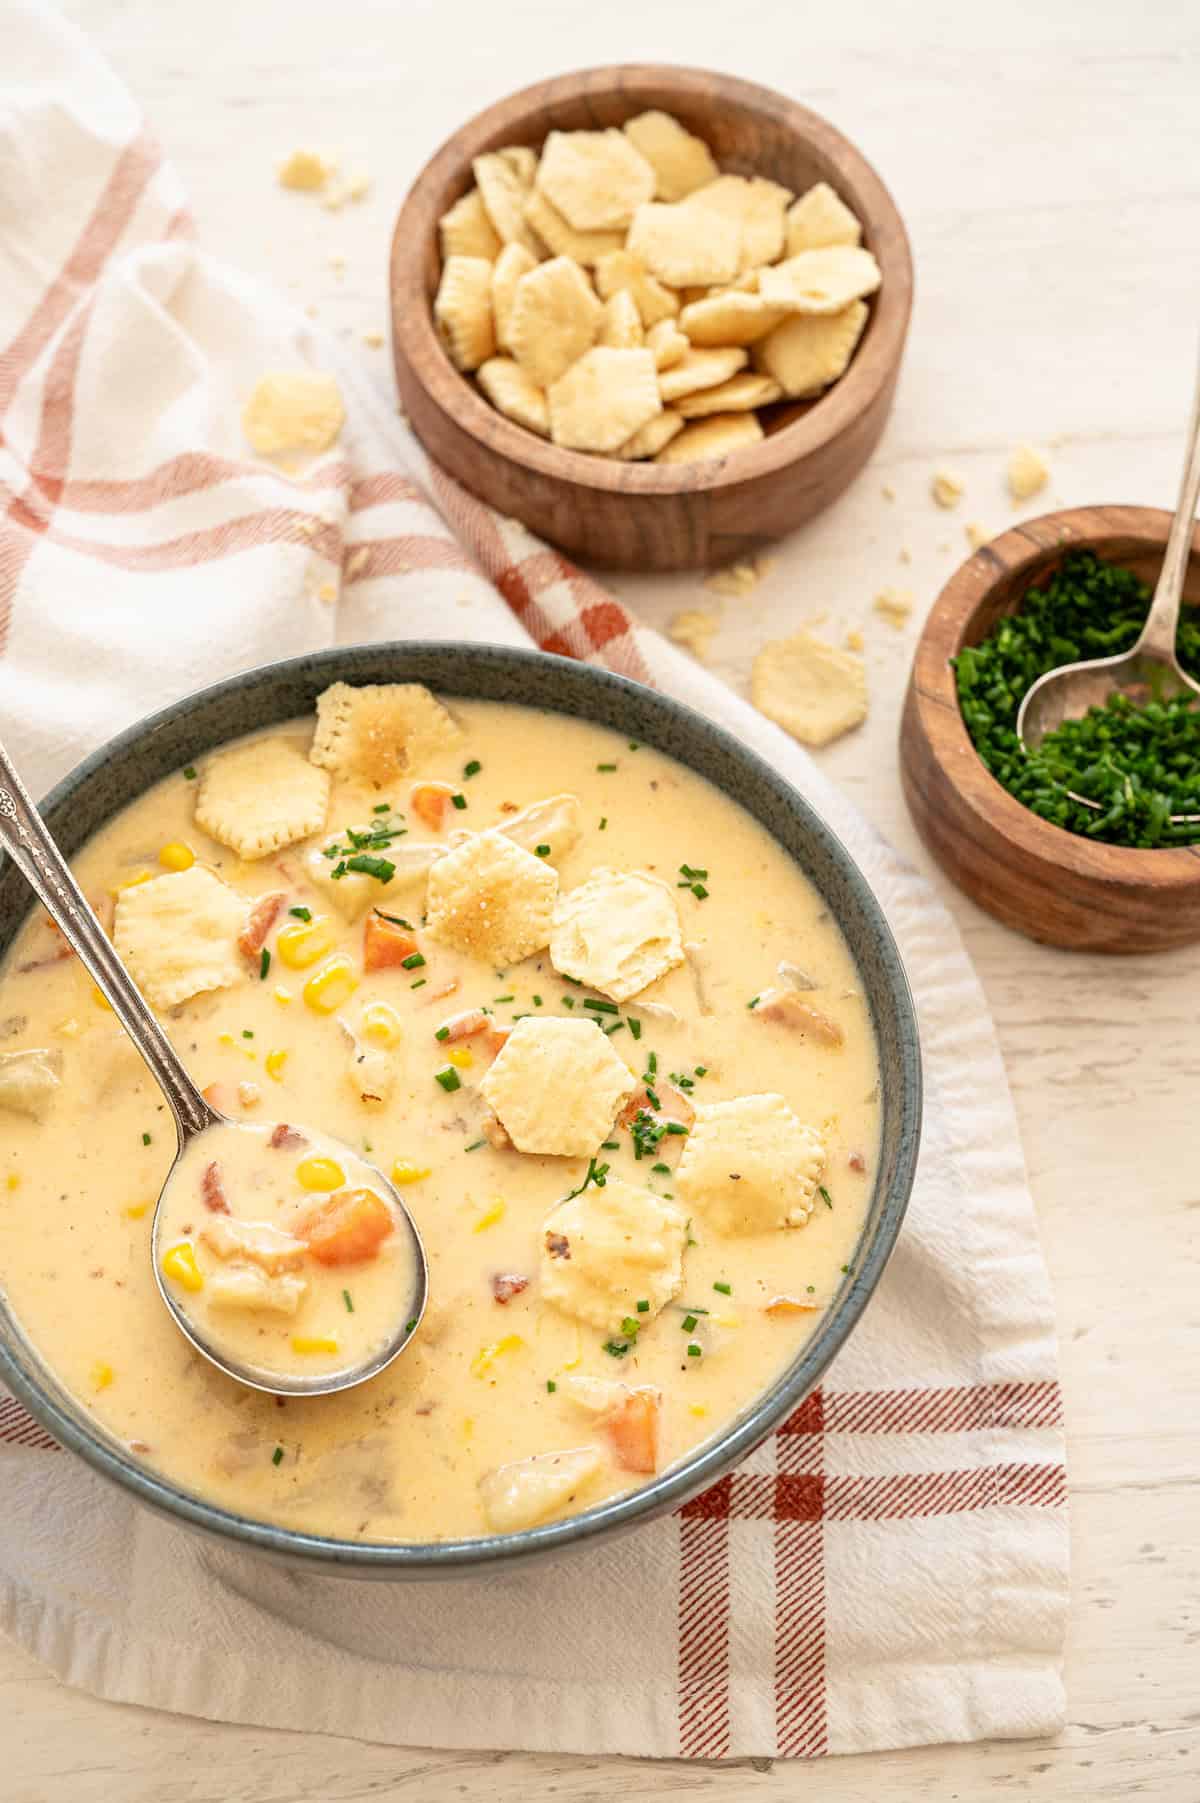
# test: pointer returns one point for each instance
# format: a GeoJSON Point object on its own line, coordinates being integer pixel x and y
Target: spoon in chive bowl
{"type": "Point", "coordinates": [274, 1308]}
{"type": "Point", "coordinates": [1150, 670]}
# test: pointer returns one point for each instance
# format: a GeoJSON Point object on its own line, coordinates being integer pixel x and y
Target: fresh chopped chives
{"type": "Point", "coordinates": [753, 1002]}
{"type": "Point", "coordinates": [689, 1323]}
{"type": "Point", "coordinates": [603, 822]}
{"type": "Point", "coordinates": [600, 1007]}
{"type": "Point", "coordinates": [676, 1127]}
{"type": "Point", "coordinates": [664, 1170]}
{"type": "Point", "coordinates": [247, 1033]}
{"type": "Point", "coordinates": [700, 892]}
{"type": "Point", "coordinates": [634, 745]}
{"type": "Point", "coordinates": [575, 982]}
{"type": "Point", "coordinates": [568, 1001]}
{"type": "Point", "coordinates": [694, 1351]}
{"type": "Point", "coordinates": [723, 1289]}
{"type": "Point", "coordinates": [420, 983]}
{"type": "Point", "coordinates": [382, 869]}
{"type": "Point", "coordinates": [616, 1348]}
{"type": "Point", "coordinates": [145, 1139]}
{"type": "Point", "coordinates": [410, 1324]}
{"type": "Point", "coordinates": [810, 1289]}
{"type": "Point", "coordinates": [381, 807]}
{"type": "Point", "coordinates": [635, 1026]}
{"type": "Point", "coordinates": [825, 1196]}
{"type": "Point", "coordinates": [702, 1070]}
{"type": "Point", "coordinates": [643, 1307]}
{"type": "Point", "coordinates": [537, 1001]}
{"type": "Point", "coordinates": [630, 1327]}
{"type": "Point", "coordinates": [473, 768]}
{"type": "Point", "coordinates": [449, 1079]}
{"type": "Point", "coordinates": [414, 961]}
{"type": "Point", "coordinates": [551, 1386]}
{"type": "Point", "coordinates": [651, 1063]}
{"type": "Point", "coordinates": [397, 920]}
{"type": "Point", "coordinates": [617, 1027]}
{"type": "Point", "coordinates": [459, 802]}
{"type": "Point", "coordinates": [610, 1145]}
{"type": "Point", "coordinates": [189, 770]}
{"type": "Point", "coordinates": [475, 1145]}
{"type": "Point", "coordinates": [442, 1033]}
{"type": "Point", "coordinates": [543, 851]}
{"type": "Point", "coordinates": [846, 1269]}
{"type": "Point", "coordinates": [277, 1456]}
{"type": "Point", "coordinates": [503, 998]}
{"type": "Point", "coordinates": [346, 1298]}
{"type": "Point", "coordinates": [653, 1095]}
{"type": "Point", "coordinates": [691, 874]}
{"type": "Point", "coordinates": [300, 913]}
{"type": "Point", "coordinates": [606, 767]}
{"type": "Point", "coordinates": [264, 965]}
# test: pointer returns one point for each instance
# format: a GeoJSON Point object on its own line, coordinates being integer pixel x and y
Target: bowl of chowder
{"type": "Point", "coordinates": [580, 974]}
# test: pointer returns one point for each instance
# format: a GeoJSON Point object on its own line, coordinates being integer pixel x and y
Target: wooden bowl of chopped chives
{"type": "Point", "coordinates": [601, 506]}
{"type": "Point", "coordinates": [1054, 884]}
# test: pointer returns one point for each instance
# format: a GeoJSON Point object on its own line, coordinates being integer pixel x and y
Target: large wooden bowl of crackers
{"type": "Point", "coordinates": [656, 314]}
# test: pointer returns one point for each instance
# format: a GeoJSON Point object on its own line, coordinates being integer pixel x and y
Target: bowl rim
{"type": "Point", "coordinates": [1017, 556]}
{"type": "Point", "coordinates": [400, 1559]}
{"type": "Point", "coordinates": [872, 368]}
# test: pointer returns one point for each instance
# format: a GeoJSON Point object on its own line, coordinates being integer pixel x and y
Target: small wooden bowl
{"type": "Point", "coordinates": [1053, 885]}
{"type": "Point", "coordinates": [651, 516]}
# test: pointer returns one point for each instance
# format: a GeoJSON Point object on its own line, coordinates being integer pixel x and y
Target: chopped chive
{"type": "Point", "coordinates": [702, 1070]}
{"type": "Point", "coordinates": [610, 1145]}
{"type": "Point", "coordinates": [676, 1127]}
{"type": "Point", "coordinates": [689, 1323]}
{"type": "Point", "coordinates": [397, 920]}
{"type": "Point", "coordinates": [145, 1139]}
{"type": "Point", "coordinates": [616, 1348]}
{"type": "Point", "coordinates": [410, 1324]}
{"type": "Point", "coordinates": [246, 1033]}
{"type": "Point", "coordinates": [634, 746]}
{"type": "Point", "coordinates": [568, 1001]}
{"type": "Point", "coordinates": [414, 961]}
{"type": "Point", "coordinates": [537, 1001]}
{"type": "Point", "coordinates": [723, 1289]}
{"type": "Point", "coordinates": [449, 1079]}
{"type": "Point", "coordinates": [694, 1351]}
{"type": "Point", "coordinates": [382, 807]}
{"type": "Point", "coordinates": [576, 982]}
{"type": "Point", "coordinates": [420, 983]}
{"type": "Point", "coordinates": [664, 1170]}
{"type": "Point", "coordinates": [543, 851]}
{"type": "Point", "coordinates": [382, 869]}
{"type": "Point", "coordinates": [635, 1026]}
{"type": "Point", "coordinates": [473, 768]}
{"type": "Point", "coordinates": [629, 1327]}
{"type": "Point", "coordinates": [651, 1063]}
{"type": "Point", "coordinates": [643, 1307]}
{"type": "Point", "coordinates": [601, 1007]}
{"type": "Point", "coordinates": [442, 1033]}
{"type": "Point", "coordinates": [692, 873]}
{"type": "Point", "coordinates": [825, 1196]}
{"type": "Point", "coordinates": [810, 1289]}
{"type": "Point", "coordinates": [846, 1269]}
{"type": "Point", "coordinates": [459, 802]}
{"type": "Point", "coordinates": [551, 1386]}
{"type": "Point", "coordinates": [700, 892]}
{"type": "Point", "coordinates": [301, 913]}
{"type": "Point", "coordinates": [475, 1145]}
{"type": "Point", "coordinates": [603, 822]}
{"type": "Point", "coordinates": [753, 1002]}
{"type": "Point", "coordinates": [189, 770]}
{"type": "Point", "coordinates": [277, 1456]}
{"type": "Point", "coordinates": [264, 965]}
{"type": "Point", "coordinates": [653, 1095]}
{"type": "Point", "coordinates": [349, 1304]}
{"type": "Point", "coordinates": [504, 998]}
{"type": "Point", "coordinates": [606, 767]}
{"type": "Point", "coordinates": [617, 1027]}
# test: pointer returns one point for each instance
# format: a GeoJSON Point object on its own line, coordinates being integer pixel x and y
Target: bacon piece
{"type": "Point", "coordinates": [212, 1190]}
{"type": "Point", "coordinates": [505, 1286]}
{"type": "Point", "coordinates": [856, 1161]}
{"type": "Point", "coordinates": [263, 916]}
{"type": "Point", "coordinates": [284, 1138]}
{"type": "Point", "coordinates": [558, 1245]}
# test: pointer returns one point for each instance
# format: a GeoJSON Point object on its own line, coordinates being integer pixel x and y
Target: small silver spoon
{"type": "Point", "coordinates": [1151, 667]}
{"type": "Point", "coordinates": [24, 837]}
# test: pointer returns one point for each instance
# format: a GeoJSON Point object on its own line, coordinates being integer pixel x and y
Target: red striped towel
{"type": "Point", "coordinates": [890, 1568]}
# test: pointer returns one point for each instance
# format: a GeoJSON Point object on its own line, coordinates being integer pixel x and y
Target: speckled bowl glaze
{"type": "Point", "coordinates": [123, 769]}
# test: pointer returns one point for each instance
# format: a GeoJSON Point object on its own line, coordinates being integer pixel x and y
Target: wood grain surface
{"type": "Point", "coordinates": [1048, 170]}
{"type": "Point", "coordinates": [648, 516]}
{"type": "Point", "coordinates": [1056, 886]}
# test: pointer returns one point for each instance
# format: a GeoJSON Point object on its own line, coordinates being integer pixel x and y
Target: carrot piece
{"type": "Point", "coordinates": [262, 918]}
{"type": "Point", "coordinates": [633, 1430]}
{"type": "Point", "coordinates": [790, 1305]}
{"type": "Point", "coordinates": [385, 945]}
{"type": "Point", "coordinates": [495, 1039]}
{"type": "Point", "coordinates": [346, 1228]}
{"type": "Point", "coordinates": [429, 802]}
{"type": "Point", "coordinates": [221, 1096]}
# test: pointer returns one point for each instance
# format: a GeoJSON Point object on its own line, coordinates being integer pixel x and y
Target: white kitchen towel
{"type": "Point", "coordinates": [891, 1568]}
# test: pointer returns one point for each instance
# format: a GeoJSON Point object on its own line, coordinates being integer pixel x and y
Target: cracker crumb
{"type": "Point", "coordinates": [739, 579]}
{"type": "Point", "coordinates": [327, 592]}
{"type": "Point", "coordinates": [854, 639]}
{"type": "Point", "coordinates": [977, 535]}
{"type": "Point", "coordinates": [888, 492]}
{"type": "Point", "coordinates": [1028, 472]}
{"type": "Point", "coordinates": [358, 186]}
{"type": "Point", "coordinates": [947, 489]}
{"type": "Point", "coordinates": [373, 340]}
{"type": "Point", "coordinates": [694, 628]}
{"type": "Point", "coordinates": [306, 171]}
{"type": "Point", "coordinates": [905, 554]}
{"type": "Point", "coordinates": [895, 604]}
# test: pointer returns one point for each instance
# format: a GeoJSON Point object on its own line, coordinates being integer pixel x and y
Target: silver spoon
{"type": "Point", "coordinates": [24, 837]}
{"type": "Point", "coordinates": [1151, 666]}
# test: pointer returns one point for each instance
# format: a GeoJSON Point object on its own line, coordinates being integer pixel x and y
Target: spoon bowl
{"type": "Point", "coordinates": [201, 1129]}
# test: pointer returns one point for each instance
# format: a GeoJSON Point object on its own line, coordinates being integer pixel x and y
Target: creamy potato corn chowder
{"type": "Point", "coordinates": [569, 996]}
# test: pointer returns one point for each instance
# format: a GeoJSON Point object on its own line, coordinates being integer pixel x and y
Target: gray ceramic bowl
{"type": "Point", "coordinates": [129, 764]}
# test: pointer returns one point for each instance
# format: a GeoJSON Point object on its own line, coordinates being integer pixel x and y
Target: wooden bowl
{"type": "Point", "coordinates": [650, 516]}
{"type": "Point", "coordinates": [1053, 885]}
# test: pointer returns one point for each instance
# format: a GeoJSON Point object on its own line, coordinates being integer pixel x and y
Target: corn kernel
{"type": "Point", "coordinates": [283, 996]}
{"type": "Point", "coordinates": [313, 1342]}
{"type": "Point", "coordinates": [273, 1064]}
{"type": "Point", "coordinates": [135, 1210]}
{"type": "Point", "coordinates": [320, 1173]}
{"type": "Point", "coordinates": [333, 984]}
{"type": "Point", "coordinates": [468, 1427]}
{"type": "Point", "coordinates": [101, 1001]}
{"type": "Point", "coordinates": [139, 876]}
{"type": "Point", "coordinates": [102, 1375]}
{"type": "Point", "coordinates": [697, 1408]}
{"type": "Point", "coordinates": [489, 1217]}
{"type": "Point", "coordinates": [12, 1181]}
{"type": "Point", "coordinates": [461, 1056]}
{"type": "Point", "coordinates": [728, 1320]}
{"type": "Point", "coordinates": [180, 1263]}
{"type": "Point", "coordinates": [176, 856]}
{"type": "Point", "coordinates": [226, 1039]}
{"type": "Point", "coordinates": [486, 1357]}
{"type": "Point", "coordinates": [69, 1029]}
{"type": "Point", "coordinates": [570, 1364]}
{"type": "Point", "coordinates": [381, 1024]}
{"type": "Point", "coordinates": [404, 1172]}
{"type": "Point", "coordinates": [302, 942]}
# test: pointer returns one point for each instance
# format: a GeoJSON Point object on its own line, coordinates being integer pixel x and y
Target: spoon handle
{"type": "Point", "coordinates": [1162, 622]}
{"type": "Point", "coordinates": [24, 837]}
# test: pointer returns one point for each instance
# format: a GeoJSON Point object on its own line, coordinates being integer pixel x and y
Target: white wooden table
{"type": "Point", "coordinates": [1048, 163]}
